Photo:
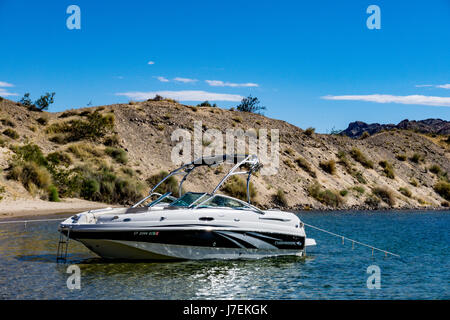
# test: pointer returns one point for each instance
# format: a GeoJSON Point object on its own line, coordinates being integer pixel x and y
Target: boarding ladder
{"type": "Point", "coordinates": [63, 245]}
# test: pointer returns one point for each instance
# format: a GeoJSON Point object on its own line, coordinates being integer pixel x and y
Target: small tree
{"type": "Point", "coordinates": [44, 101]}
{"type": "Point", "coordinates": [207, 104]}
{"type": "Point", "coordinates": [250, 104]}
{"type": "Point", "coordinates": [26, 101]}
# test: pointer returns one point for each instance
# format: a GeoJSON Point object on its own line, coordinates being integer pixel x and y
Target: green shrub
{"type": "Point", "coordinates": [119, 155]}
{"type": "Point", "coordinates": [170, 185]}
{"type": "Point", "coordinates": [90, 189]}
{"type": "Point", "coordinates": [84, 150]}
{"type": "Point", "coordinates": [69, 113]}
{"type": "Point", "coordinates": [443, 189]}
{"type": "Point", "coordinates": [43, 120]}
{"type": "Point", "coordinates": [309, 131]}
{"type": "Point", "coordinates": [8, 122]}
{"type": "Point", "coordinates": [53, 194]}
{"type": "Point", "coordinates": [30, 152]}
{"type": "Point", "coordinates": [344, 161]}
{"type": "Point", "coordinates": [414, 182]}
{"type": "Point", "coordinates": [343, 193]}
{"type": "Point", "coordinates": [387, 169]}
{"type": "Point", "coordinates": [364, 135]}
{"type": "Point", "coordinates": [280, 198]}
{"type": "Point", "coordinates": [385, 195]}
{"type": "Point", "coordinates": [237, 119]}
{"type": "Point", "coordinates": [436, 169]}
{"type": "Point", "coordinates": [405, 192]}
{"type": "Point", "coordinates": [302, 163]}
{"type": "Point", "coordinates": [359, 189]}
{"type": "Point", "coordinates": [372, 201]}
{"type": "Point", "coordinates": [11, 133]}
{"type": "Point", "coordinates": [58, 138]}
{"type": "Point", "coordinates": [127, 190]}
{"type": "Point", "coordinates": [416, 158]}
{"type": "Point", "coordinates": [401, 157]}
{"type": "Point", "coordinates": [361, 158]}
{"type": "Point", "coordinates": [328, 166]}
{"type": "Point", "coordinates": [112, 141]}
{"type": "Point", "coordinates": [206, 143]}
{"type": "Point", "coordinates": [237, 188]}
{"type": "Point", "coordinates": [359, 177]}
{"type": "Point", "coordinates": [326, 196]}
{"type": "Point", "coordinates": [29, 174]}
{"type": "Point", "coordinates": [128, 171]}
{"type": "Point", "coordinates": [85, 113]}
{"type": "Point", "coordinates": [93, 128]}
{"type": "Point", "coordinates": [59, 158]}
{"type": "Point", "coordinates": [207, 104]}
{"type": "Point", "coordinates": [288, 163]}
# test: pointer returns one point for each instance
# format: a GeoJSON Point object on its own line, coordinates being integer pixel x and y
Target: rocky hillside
{"type": "Point", "coordinates": [107, 153]}
{"type": "Point", "coordinates": [432, 126]}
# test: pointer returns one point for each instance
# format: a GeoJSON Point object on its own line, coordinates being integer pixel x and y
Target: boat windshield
{"type": "Point", "coordinates": [221, 201]}
{"type": "Point", "coordinates": [187, 199]}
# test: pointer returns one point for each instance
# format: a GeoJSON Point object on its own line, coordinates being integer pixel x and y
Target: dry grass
{"type": "Point", "coordinates": [237, 188]}
{"type": "Point", "coordinates": [385, 195]}
{"type": "Point", "coordinates": [361, 158]}
{"type": "Point", "coordinates": [324, 196]}
{"type": "Point", "coordinates": [328, 166]}
{"type": "Point", "coordinates": [387, 169]}
{"type": "Point", "coordinates": [280, 198]}
{"type": "Point", "coordinates": [302, 163]}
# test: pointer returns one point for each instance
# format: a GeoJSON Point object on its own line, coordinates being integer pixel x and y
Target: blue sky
{"type": "Point", "coordinates": [311, 63]}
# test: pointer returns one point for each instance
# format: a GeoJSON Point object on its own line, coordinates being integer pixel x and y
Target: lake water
{"type": "Point", "coordinates": [331, 270]}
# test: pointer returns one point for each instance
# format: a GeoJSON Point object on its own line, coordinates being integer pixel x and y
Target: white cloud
{"type": "Point", "coordinates": [442, 86]}
{"type": "Point", "coordinates": [387, 98]}
{"type": "Point", "coordinates": [5, 84]}
{"type": "Point", "coordinates": [5, 93]}
{"type": "Point", "coordinates": [186, 95]}
{"type": "Point", "coordinates": [151, 62]}
{"type": "Point", "coordinates": [185, 80]}
{"type": "Point", "coordinates": [162, 79]}
{"type": "Point", "coordinates": [219, 83]}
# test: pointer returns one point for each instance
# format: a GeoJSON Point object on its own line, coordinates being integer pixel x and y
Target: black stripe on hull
{"type": "Point", "coordinates": [201, 238]}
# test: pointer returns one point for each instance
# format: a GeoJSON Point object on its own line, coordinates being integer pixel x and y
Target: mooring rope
{"type": "Point", "coordinates": [353, 241]}
{"type": "Point", "coordinates": [34, 220]}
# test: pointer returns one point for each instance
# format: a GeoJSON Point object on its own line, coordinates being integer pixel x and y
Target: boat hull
{"type": "Point", "coordinates": [193, 244]}
{"type": "Point", "coordinates": [132, 250]}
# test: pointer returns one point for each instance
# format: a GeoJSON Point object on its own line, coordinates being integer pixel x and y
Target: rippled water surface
{"type": "Point", "coordinates": [331, 270]}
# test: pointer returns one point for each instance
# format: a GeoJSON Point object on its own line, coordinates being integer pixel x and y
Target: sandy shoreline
{"type": "Point", "coordinates": [28, 208]}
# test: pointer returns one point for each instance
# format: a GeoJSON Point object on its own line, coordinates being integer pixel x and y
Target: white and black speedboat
{"type": "Point", "coordinates": [196, 225]}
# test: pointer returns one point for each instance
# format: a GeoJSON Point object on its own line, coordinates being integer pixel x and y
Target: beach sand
{"type": "Point", "coordinates": [27, 207]}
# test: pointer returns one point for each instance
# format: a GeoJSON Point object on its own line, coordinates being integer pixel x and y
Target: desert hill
{"type": "Point", "coordinates": [107, 153]}
{"type": "Point", "coordinates": [429, 126]}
